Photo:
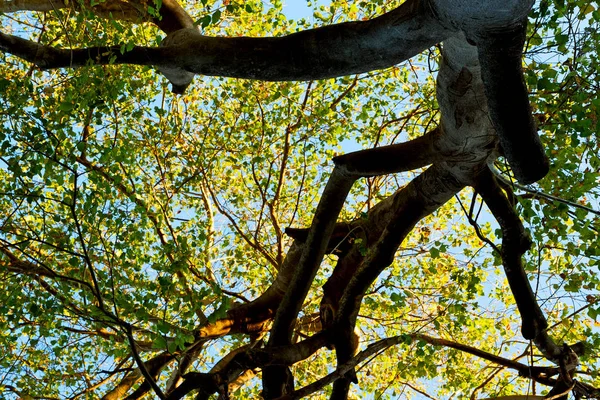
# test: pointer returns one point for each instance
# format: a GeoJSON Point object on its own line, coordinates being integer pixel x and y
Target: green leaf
{"type": "Point", "coordinates": [216, 17]}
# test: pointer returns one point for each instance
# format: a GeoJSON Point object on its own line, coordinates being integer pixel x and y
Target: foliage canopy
{"type": "Point", "coordinates": [144, 248]}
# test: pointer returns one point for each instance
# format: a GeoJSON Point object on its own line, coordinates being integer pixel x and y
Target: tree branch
{"type": "Point", "coordinates": [330, 51]}
{"type": "Point", "coordinates": [515, 242]}
{"type": "Point", "coordinates": [152, 366]}
{"type": "Point", "coordinates": [418, 199]}
{"type": "Point", "coordinates": [171, 16]}
{"type": "Point", "coordinates": [243, 359]}
{"type": "Point", "coordinates": [538, 193]}
{"type": "Point", "coordinates": [500, 56]}
{"type": "Point", "coordinates": [330, 205]}
{"type": "Point", "coordinates": [392, 159]}
{"type": "Point", "coordinates": [539, 374]}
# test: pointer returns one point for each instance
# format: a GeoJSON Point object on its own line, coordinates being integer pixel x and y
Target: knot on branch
{"type": "Point", "coordinates": [178, 75]}
{"type": "Point", "coordinates": [460, 86]}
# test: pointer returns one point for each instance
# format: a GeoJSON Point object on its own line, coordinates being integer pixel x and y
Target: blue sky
{"type": "Point", "coordinates": [297, 9]}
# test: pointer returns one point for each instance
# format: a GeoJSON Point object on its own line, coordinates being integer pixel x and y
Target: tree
{"type": "Point", "coordinates": [172, 245]}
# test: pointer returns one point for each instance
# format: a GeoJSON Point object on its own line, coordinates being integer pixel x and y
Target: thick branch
{"type": "Point", "coordinates": [323, 224]}
{"type": "Point", "coordinates": [392, 159]}
{"type": "Point", "coordinates": [421, 197]}
{"type": "Point", "coordinates": [418, 199]}
{"type": "Point", "coordinates": [498, 28]}
{"type": "Point", "coordinates": [326, 52]}
{"type": "Point", "coordinates": [330, 205]}
{"type": "Point", "coordinates": [171, 17]}
{"type": "Point", "coordinates": [47, 57]}
{"type": "Point", "coordinates": [500, 56]}
{"type": "Point", "coordinates": [232, 366]}
{"type": "Point", "coordinates": [515, 242]}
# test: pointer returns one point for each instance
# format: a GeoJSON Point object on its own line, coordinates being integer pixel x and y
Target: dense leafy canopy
{"type": "Point", "coordinates": [130, 215]}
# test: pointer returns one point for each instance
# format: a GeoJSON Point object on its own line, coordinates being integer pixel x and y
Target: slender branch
{"type": "Point", "coordinates": [152, 365]}
{"type": "Point", "coordinates": [252, 243]}
{"type": "Point", "coordinates": [87, 260]}
{"type": "Point", "coordinates": [574, 313]}
{"type": "Point", "coordinates": [383, 344]}
{"type": "Point", "coordinates": [136, 356]}
{"type": "Point", "coordinates": [535, 192]}
{"type": "Point", "coordinates": [476, 226]}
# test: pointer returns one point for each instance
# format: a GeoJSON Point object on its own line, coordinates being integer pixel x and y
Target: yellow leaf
{"type": "Point", "coordinates": [588, 9]}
